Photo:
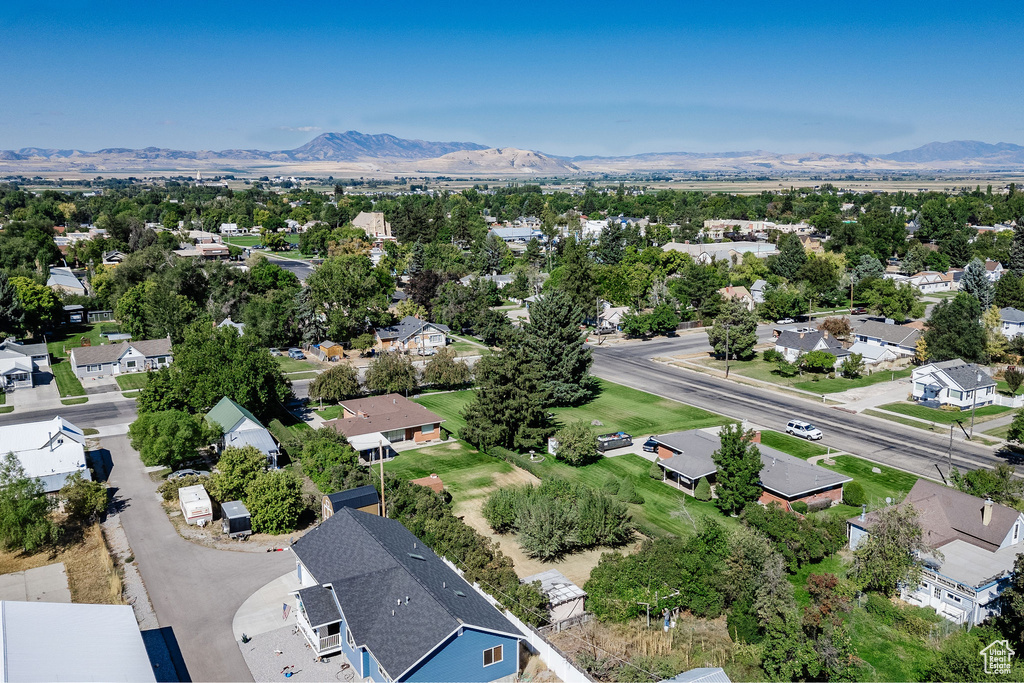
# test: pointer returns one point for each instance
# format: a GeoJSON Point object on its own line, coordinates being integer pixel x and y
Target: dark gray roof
{"type": "Point", "coordinates": [407, 327]}
{"type": "Point", "coordinates": [24, 349]}
{"type": "Point", "coordinates": [966, 374]}
{"type": "Point", "coordinates": [891, 334]}
{"type": "Point", "coordinates": [806, 341]}
{"type": "Point", "coordinates": [109, 353]}
{"type": "Point", "coordinates": [781, 473]}
{"type": "Point", "coordinates": [233, 509]}
{"type": "Point", "coordinates": [359, 497]}
{"type": "Point", "coordinates": [319, 605]}
{"type": "Point", "coordinates": [398, 598]}
{"type": "Point", "coordinates": [1011, 315]}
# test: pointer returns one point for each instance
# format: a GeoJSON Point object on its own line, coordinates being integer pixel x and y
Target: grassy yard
{"type": "Point", "coordinates": [466, 349]}
{"type": "Point", "coordinates": [946, 417]}
{"type": "Point", "coordinates": [292, 365]}
{"type": "Point", "coordinates": [891, 483]}
{"type": "Point", "coordinates": [67, 383]}
{"type": "Point", "coordinates": [832, 386]}
{"type": "Point", "coordinates": [762, 370]}
{"type": "Point", "coordinates": [60, 343]}
{"type": "Point", "coordinates": [74, 401]}
{"type": "Point", "coordinates": [465, 471]}
{"type": "Point", "coordinates": [800, 448]}
{"type": "Point", "coordinates": [999, 432]}
{"type": "Point", "coordinates": [253, 240]}
{"type": "Point", "coordinates": [137, 380]}
{"type": "Point", "coordinates": [330, 412]}
{"type": "Point", "coordinates": [617, 407]}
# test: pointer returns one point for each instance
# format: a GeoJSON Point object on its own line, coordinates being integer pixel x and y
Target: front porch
{"type": "Point", "coordinates": [323, 640]}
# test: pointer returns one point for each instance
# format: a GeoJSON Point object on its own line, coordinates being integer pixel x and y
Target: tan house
{"type": "Point", "coordinates": [412, 335]}
{"type": "Point", "coordinates": [373, 424]}
{"type": "Point", "coordinates": [374, 224]}
{"type": "Point", "coordinates": [810, 244]}
{"type": "Point", "coordinates": [739, 293]}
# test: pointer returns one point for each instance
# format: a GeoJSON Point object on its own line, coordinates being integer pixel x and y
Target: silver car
{"type": "Point", "coordinates": [804, 430]}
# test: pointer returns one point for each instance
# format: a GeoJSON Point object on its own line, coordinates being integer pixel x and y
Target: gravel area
{"type": "Point", "coordinates": [134, 590]}
{"type": "Point", "coordinates": [267, 655]}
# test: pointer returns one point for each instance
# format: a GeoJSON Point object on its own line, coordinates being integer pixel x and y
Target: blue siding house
{"type": "Point", "coordinates": [372, 591]}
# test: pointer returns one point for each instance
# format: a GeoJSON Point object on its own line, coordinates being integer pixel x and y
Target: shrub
{"type": "Point", "coordinates": [743, 622]}
{"type": "Point", "coordinates": [83, 499]}
{"type": "Point", "coordinates": [799, 506]}
{"type": "Point", "coordinates": [852, 366]}
{"type": "Point", "coordinates": [853, 494]}
{"type": "Point", "coordinates": [772, 356]}
{"type": "Point", "coordinates": [168, 490]}
{"type": "Point", "coordinates": [501, 509]}
{"type": "Point", "coordinates": [235, 469]}
{"type": "Point", "coordinates": [577, 444]}
{"type": "Point", "coordinates": [703, 490]}
{"type": "Point", "coordinates": [516, 459]}
{"type": "Point", "coordinates": [656, 472]}
{"type": "Point", "coordinates": [610, 486]}
{"type": "Point", "coordinates": [274, 499]}
{"type": "Point", "coordinates": [950, 409]}
{"type": "Point", "coordinates": [628, 493]}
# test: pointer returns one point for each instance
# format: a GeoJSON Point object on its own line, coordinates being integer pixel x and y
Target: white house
{"type": "Point", "coordinates": [19, 364]}
{"type": "Point", "coordinates": [757, 291]}
{"type": "Point", "coordinates": [993, 270]}
{"type": "Point", "coordinates": [873, 354]}
{"type": "Point", "coordinates": [63, 280]}
{"type": "Point", "coordinates": [1013, 322]}
{"type": "Point", "coordinates": [900, 338]}
{"type": "Point", "coordinates": [793, 344]}
{"type": "Point", "coordinates": [229, 229]}
{"type": "Point", "coordinates": [51, 450]}
{"type": "Point", "coordinates": [240, 428]}
{"type": "Point", "coordinates": [94, 362]}
{"type": "Point", "coordinates": [978, 541]}
{"type": "Point", "coordinates": [930, 281]}
{"type": "Point", "coordinates": [953, 383]}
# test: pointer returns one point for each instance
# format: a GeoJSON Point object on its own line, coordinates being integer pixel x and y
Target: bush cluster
{"type": "Point", "coordinates": [899, 618]}
{"type": "Point", "coordinates": [558, 517]}
{"type": "Point", "coordinates": [169, 489]}
{"type": "Point", "coordinates": [799, 540]}
{"type": "Point", "coordinates": [853, 494]}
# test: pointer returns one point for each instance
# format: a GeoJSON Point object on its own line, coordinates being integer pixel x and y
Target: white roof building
{"type": "Point", "coordinates": [51, 450]}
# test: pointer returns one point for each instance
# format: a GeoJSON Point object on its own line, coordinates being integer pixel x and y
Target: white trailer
{"type": "Point", "coordinates": [195, 504]}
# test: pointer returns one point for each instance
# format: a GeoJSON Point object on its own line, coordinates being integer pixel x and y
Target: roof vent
{"type": "Point", "coordinates": [417, 556]}
{"type": "Point", "coordinates": [460, 594]}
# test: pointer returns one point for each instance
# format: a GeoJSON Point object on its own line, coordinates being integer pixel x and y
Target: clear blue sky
{"type": "Point", "coordinates": [580, 78]}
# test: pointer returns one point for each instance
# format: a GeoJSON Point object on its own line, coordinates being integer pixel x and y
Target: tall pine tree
{"type": "Point", "coordinates": [739, 466]}
{"type": "Point", "coordinates": [791, 258]}
{"type": "Point", "coordinates": [11, 315]}
{"type": "Point", "coordinates": [976, 283]}
{"type": "Point", "coordinates": [554, 342]}
{"type": "Point", "coordinates": [578, 278]}
{"type": "Point", "coordinates": [1017, 251]}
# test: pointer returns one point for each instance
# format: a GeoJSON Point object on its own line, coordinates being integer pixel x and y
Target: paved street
{"type": "Point", "coordinates": [84, 415]}
{"type": "Point", "coordinates": [195, 590]}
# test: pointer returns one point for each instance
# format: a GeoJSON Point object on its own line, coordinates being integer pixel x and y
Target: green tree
{"type": "Point", "coordinates": [236, 469]}
{"type": "Point", "coordinates": [25, 522]}
{"type": "Point", "coordinates": [663, 319]}
{"type": "Point", "coordinates": [1015, 433]}
{"type": "Point", "coordinates": [554, 342]}
{"type": "Point", "coordinates": [336, 384]}
{"type": "Point", "coordinates": [1013, 377]}
{"type": "Point", "coordinates": [739, 465]}
{"type": "Point", "coordinates": [887, 557]}
{"type": "Point", "coordinates": [780, 302]}
{"type": "Point", "coordinates": [702, 491]}
{"type": "Point", "coordinates": [852, 366]}
{"type": "Point", "coordinates": [169, 437]}
{"type": "Point", "coordinates": [84, 500]}
{"type": "Point", "coordinates": [995, 341]}
{"type": "Point", "coordinates": [391, 373]}
{"type": "Point", "coordinates": [867, 269]}
{"type": "Point", "coordinates": [894, 300]}
{"type": "Point", "coordinates": [445, 371]}
{"type": "Point", "coordinates": [818, 361]}
{"type": "Point", "coordinates": [976, 283]}
{"type": "Point", "coordinates": [1016, 264]}
{"type": "Point", "coordinates": [791, 258]}
{"type": "Point", "coordinates": [351, 294]}
{"type": "Point", "coordinates": [130, 311]}
{"type": "Point", "coordinates": [578, 277]}
{"type": "Point", "coordinates": [1011, 602]}
{"type": "Point", "coordinates": [577, 444]}
{"type": "Point", "coordinates": [39, 304]}
{"type": "Point", "coordinates": [853, 494]}
{"type": "Point", "coordinates": [955, 330]}
{"type": "Point", "coordinates": [634, 324]}
{"type": "Point", "coordinates": [11, 314]}
{"type": "Point", "coordinates": [273, 240]}
{"type": "Point", "coordinates": [742, 335]}
{"type": "Point", "coordinates": [508, 408]}
{"type": "Point", "coordinates": [274, 499]}
{"type": "Point", "coordinates": [322, 459]}
{"type": "Point", "coordinates": [1009, 291]}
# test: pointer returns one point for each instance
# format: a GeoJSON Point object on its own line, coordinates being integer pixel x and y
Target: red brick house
{"type": "Point", "coordinates": [372, 424]}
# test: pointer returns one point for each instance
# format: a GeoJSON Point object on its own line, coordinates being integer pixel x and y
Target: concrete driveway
{"type": "Point", "coordinates": [195, 590]}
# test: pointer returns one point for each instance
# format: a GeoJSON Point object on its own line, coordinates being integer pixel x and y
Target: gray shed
{"type": "Point", "coordinates": [235, 521]}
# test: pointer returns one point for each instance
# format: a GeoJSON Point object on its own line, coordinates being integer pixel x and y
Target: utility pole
{"type": "Point", "coordinates": [727, 349]}
{"type": "Point", "coordinates": [974, 403]}
{"type": "Point", "coordinates": [380, 454]}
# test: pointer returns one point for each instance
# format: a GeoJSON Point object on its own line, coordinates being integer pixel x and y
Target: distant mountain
{"type": "Point", "coordinates": [353, 146]}
{"type": "Point", "coordinates": [498, 160]}
{"type": "Point", "coordinates": [960, 150]}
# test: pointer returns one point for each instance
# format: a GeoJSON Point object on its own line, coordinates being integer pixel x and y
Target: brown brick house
{"type": "Point", "coordinates": [372, 424]}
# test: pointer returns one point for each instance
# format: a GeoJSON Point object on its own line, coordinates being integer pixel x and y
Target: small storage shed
{"type": "Point", "coordinates": [329, 350]}
{"type": "Point", "coordinates": [195, 504]}
{"type": "Point", "coordinates": [565, 599]}
{"type": "Point", "coordinates": [235, 519]}
{"type": "Point", "coordinates": [362, 498]}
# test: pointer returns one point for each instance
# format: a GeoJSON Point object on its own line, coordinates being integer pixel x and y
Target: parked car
{"type": "Point", "coordinates": [297, 354]}
{"type": "Point", "coordinates": [804, 430]}
{"type": "Point", "coordinates": [275, 352]}
{"type": "Point", "coordinates": [188, 473]}
{"type": "Point", "coordinates": [860, 310]}
{"type": "Point", "coordinates": [785, 321]}
{"type": "Point", "coordinates": [650, 446]}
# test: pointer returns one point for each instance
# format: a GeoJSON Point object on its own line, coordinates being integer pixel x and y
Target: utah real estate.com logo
{"type": "Point", "coordinates": [997, 656]}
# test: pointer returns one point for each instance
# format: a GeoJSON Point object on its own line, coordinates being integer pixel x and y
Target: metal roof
{"type": "Point", "coordinates": [359, 497]}
{"type": "Point", "coordinates": [556, 586]}
{"type": "Point", "coordinates": [226, 414]}
{"type": "Point", "coordinates": [233, 509]}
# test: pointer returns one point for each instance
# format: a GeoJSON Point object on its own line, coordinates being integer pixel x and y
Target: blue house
{"type": "Point", "coordinates": [373, 591]}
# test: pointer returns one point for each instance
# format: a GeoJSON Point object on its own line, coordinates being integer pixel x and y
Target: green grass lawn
{"type": "Point", "coordinates": [66, 338]}
{"type": "Point", "coordinates": [890, 654]}
{"type": "Point", "coordinates": [292, 365]}
{"type": "Point", "coordinates": [329, 412]}
{"type": "Point", "coordinates": [253, 240]}
{"type": "Point", "coordinates": [890, 483]}
{"type": "Point", "coordinates": [465, 471]}
{"type": "Point", "coordinates": [3, 398]}
{"type": "Point", "coordinates": [74, 401]}
{"type": "Point", "coordinates": [137, 380]}
{"type": "Point", "coordinates": [467, 349]}
{"type": "Point", "coordinates": [829, 565]}
{"type": "Point", "coordinates": [999, 432]}
{"type": "Point", "coordinates": [6, 409]}
{"type": "Point", "coordinates": [946, 417]}
{"type": "Point", "coordinates": [67, 383]}
{"type": "Point", "coordinates": [757, 368]}
{"type": "Point", "coordinates": [302, 375]}
{"type": "Point", "coordinates": [800, 448]}
{"type": "Point", "coordinates": [832, 386]}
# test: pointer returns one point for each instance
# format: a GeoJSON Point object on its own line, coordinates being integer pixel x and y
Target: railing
{"type": "Point", "coordinates": [330, 642]}
{"type": "Point", "coordinates": [320, 643]}
{"type": "Point", "coordinates": [566, 623]}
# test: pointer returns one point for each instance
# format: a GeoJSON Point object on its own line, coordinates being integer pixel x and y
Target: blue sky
{"type": "Point", "coordinates": [588, 78]}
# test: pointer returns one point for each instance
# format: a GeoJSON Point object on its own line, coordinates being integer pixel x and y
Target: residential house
{"type": "Point", "coordinates": [686, 458]}
{"type": "Point", "coordinates": [611, 318]}
{"type": "Point", "coordinates": [412, 335]}
{"type": "Point", "coordinates": [113, 258]}
{"type": "Point", "coordinates": [811, 244]}
{"type": "Point", "coordinates": [1013, 322]}
{"type": "Point", "coordinates": [930, 282]}
{"type": "Point", "coordinates": [901, 339]}
{"type": "Point", "coordinates": [20, 363]}
{"type": "Point", "coordinates": [375, 593]}
{"type": "Point", "coordinates": [328, 350]}
{"type": "Point", "coordinates": [228, 322]}
{"type": "Point", "coordinates": [757, 291]}
{"type": "Point", "coordinates": [953, 383]}
{"type": "Point", "coordinates": [977, 542]}
{"type": "Point", "coordinates": [65, 281]}
{"type": "Point", "coordinates": [209, 251]}
{"type": "Point", "coordinates": [240, 428]}
{"type": "Point", "coordinates": [875, 355]}
{"type": "Point", "coordinates": [50, 450]}
{"type": "Point", "coordinates": [374, 224]}
{"type": "Point", "coordinates": [229, 229]}
{"type": "Point", "coordinates": [97, 643]}
{"type": "Point", "coordinates": [105, 360]}
{"type": "Point", "coordinates": [500, 280]}
{"type": "Point", "coordinates": [726, 251]}
{"type": "Point", "coordinates": [591, 229]}
{"type": "Point", "coordinates": [993, 270]}
{"type": "Point", "coordinates": [740, 294]}
{"type": "Point", "coordinates": [566, 600]}
{"type": "Point", "coordinates": [373, 424]}
{"type": "Point", "coordinates": [515, 234]}
{"type": "Point", "coordinates": [793, 344]}
{"type": "Point", "coordinates": [363, 498]}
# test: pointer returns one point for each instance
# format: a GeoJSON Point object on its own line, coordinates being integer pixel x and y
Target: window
{"type": "Point", "coordinates": [435, 339]}
{"type": "Point", "coordinates": [937, 592]}
{"type": "Point", "coordinates": [1016, 532]}
{"type": "Point", "coordinates": [130, 363]}
{"type": "Point", "coordinates": [919, 386]}
{"type": "Point", "coordinates": [958, 395]}
{"type": "Point", "coordinates": [349, 639]}
{"type": "Point", "coordinates": [93, 368]}
{"type": "Point", "coordinates": [952, 597]}
{"type": "Point", "coordinates": [426, 429]}
{"type": "Point", "coordinates": [493, 655]}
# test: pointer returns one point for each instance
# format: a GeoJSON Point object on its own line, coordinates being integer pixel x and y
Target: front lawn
{"type": "Point", "coordinates": [464, 349]}
{"type": "Point", "coordinates": [466, 472]}
{"type": "Point", "coordinates": [800, 448]}
{"type": "Point", "coordinates": [832, 386]}
{"type": "Point", "coordinates": [329, 412]}
{"type": "Point", "coordinates": [67, 383]}
{"type": "Point", "coordinates": [947, 417]}
{"type": "Point", "coordinates": [891, 483]}
{"type": "Point", "coordinates": [287, 364]}
{"type": "Point", "coordinates": [253, 240]}
{"type": "Point", "coordinates": [758, 368]}
{"type": "Point", "coordinates": [137, 380]}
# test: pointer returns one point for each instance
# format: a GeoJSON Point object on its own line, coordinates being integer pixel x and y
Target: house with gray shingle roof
{"type": "Point", "coordinates": [1013, 322]}
{"type": "Point", "coordinates": [953, 383]}
{"type": "Point", "coordinates": [20, 362]}
{"type": "Point", "coordinates": [63, 280]}
{"type": "Point", "coordinates": [240, 428]}
{"type": "Point", "coordinates": [373, 591]}
{"type": "Point", "coordinates": [105, 360]}
{"type": "Point", "coordinates": [900, 338]}
{"type": "Point", "coordinates": [793, 344]}
{"type": "Point", "coordinates": [412, 335]}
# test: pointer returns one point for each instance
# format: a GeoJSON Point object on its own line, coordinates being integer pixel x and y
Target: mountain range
{"type": "Point", "coordinates": [355, 152]}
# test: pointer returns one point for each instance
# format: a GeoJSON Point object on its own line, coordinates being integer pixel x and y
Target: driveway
{"type": "Point", "coordinates": [195, 590]}
{"type": "Point", "coordinates": [44, 392]}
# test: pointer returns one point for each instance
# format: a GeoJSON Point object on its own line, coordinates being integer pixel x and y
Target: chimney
{"type": "Point", "coordinates": [824, 335]}
{"type": "Point", "coordinates": [986, 512]}
{"type": "Point", "coordinates": [863, 512]}
{"type": "Point", "coordinates": [756, 438]}
{"type": "Point", "coordinates": [394, 401]}
{"type": "Point", "coordinates": [801, 335]}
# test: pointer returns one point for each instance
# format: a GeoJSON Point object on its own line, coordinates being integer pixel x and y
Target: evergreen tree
{"type": "Point", "coordinates": [508, 408]}
{"type": "Point", "coordinates": [11, 315]}
{"type": "Point", "coordinates": [1011, 618]}
{"type": "Point", "coordinates": [887, 558]}
{"type": "Point", "coordinates": [1009, 291]}
{"type": "Point", "coordinates": [739, 465]}
{"type": "Point", "coordinates": [578, 280]}
{"type": "Point", "coordinates": [869, 268]}
{"type": "Point", "coordinates": [976, 283]}
{"type": "Point", "coordinates": [553, 341]}
{"type": "Point", "coordinates": [955, 330]}
{"type": "Point", "coordinates": [957, 248]}
{"type": "Point", "coordinates": [742, 335]}
{"type": "Point", "coordinates": [791, 258]}
{"type": "Point", "coordinates": [1017, 251]}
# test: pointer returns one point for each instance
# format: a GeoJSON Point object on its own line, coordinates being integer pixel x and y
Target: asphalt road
{"type": "Point", "coordinates": [83, 415]}
{"type": "Point", "coordinates": [195, 590]}
{"type": "Point", "coordinates": [302, 269]}
{"type": "Point", "coordinates": [880, 440]}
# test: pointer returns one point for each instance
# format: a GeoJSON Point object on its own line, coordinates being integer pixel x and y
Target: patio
{"type": "Point", "coordinates": [273, 654]}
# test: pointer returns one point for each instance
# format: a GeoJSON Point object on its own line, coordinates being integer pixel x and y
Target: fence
{"type": "Point", "coordinates": [566, 623]}
{"type": "Point", "coordinates": [691, 325]}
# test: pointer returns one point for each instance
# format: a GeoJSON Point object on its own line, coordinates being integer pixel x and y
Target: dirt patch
{"type": "Point", "coordinates": [212, 537]}
{"type": "Point", "coordinates": [575, 567]}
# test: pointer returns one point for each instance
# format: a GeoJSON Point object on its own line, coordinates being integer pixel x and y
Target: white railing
{"type": "Point", "coordinates": [320, 643]}
{"type": "Point", "coordinates": [330, 642]}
